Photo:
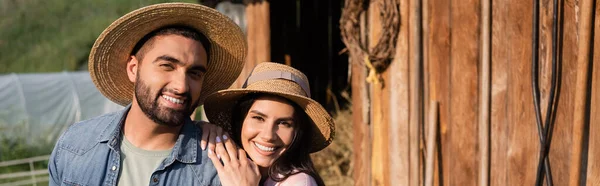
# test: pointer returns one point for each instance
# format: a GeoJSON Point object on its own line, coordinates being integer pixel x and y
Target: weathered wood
{"type": "Point", "coordinates": [259, 38]}
{"type": "Point", "coordinates": [431, 142]}
{"type": "Point", "coordinates": [415, 64]}
{"type": "Point", "coordinates": [593, 156]}
{"type": "Point", "coordinates": [522, 142]}
{"type": "Point", "coordinates": [439, 76]}
{"type": "Point", "coordinates": [585, 56]}
{"type": "Point", "coordinates": [361, 130]}
{"type": "Point", "coordinates": [399, 165]}
{"type": "Point", "coordinates": [562, 134]}
{"type": "Point", "coordinates": [463, 91]}
{"type": "Point", "coordinates": [379, 107]}
{"type": "Point", "coordinates": [361, 109]}
{"type": "Point", "coordinates": [484, 93]}
{"type": "Point", "coordinates": [500, 126]}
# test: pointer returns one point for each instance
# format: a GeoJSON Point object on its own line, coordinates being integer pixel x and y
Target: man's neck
{"type": "Point", "coordinates": [146, 134]}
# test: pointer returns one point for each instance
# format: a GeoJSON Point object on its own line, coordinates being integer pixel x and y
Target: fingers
{"type": "Point", "coordinates": [215, 160]}
{"type": "Point", "coordinates": [243, 159]}
{"type": "Point", "coordinates": [221, 151]}
{"type": "Point", "coordinates": [215, 131]}
{"type": "Point", "coordinates": [205, 134]}
{"type": "Point", "coordinates": [230, 147]}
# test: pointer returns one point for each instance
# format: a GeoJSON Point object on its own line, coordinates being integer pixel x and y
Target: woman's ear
{"type": "Point", "coordinates": [132, 66]}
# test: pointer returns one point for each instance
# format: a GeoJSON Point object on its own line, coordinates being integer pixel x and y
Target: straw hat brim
{"type": "Point", "coordinates": [218, 108]}
{"type": "Point", "coordinates": [111, 51]}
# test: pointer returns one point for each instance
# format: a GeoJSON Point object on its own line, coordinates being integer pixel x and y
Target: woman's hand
{"type": "Point", "coordinates": [209, 134]}
{"type": "Point", "coordinates": [233, 167]}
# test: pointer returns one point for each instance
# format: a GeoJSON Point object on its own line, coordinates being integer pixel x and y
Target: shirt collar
{"type": "Point", "coordinates": [185, 149]}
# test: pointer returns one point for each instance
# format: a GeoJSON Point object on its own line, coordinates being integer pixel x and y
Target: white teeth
{"type": "Point", "coordinates": [264, 148]}
{"type": "Point", "coordinates": [172, 99]}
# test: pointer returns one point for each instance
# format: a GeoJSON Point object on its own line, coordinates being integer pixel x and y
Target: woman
{"type": "Point", "coordinates": [277, 124]}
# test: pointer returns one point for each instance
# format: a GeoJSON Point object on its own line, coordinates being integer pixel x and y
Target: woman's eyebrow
{"type": "Point", "coordinates": [258, 113]}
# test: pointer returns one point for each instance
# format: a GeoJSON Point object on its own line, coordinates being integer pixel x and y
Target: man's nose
{"type": "Point", "coordinates": [179, 83]}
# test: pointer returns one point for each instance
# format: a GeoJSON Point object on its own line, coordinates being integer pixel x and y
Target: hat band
{"type": "Point", "coordinates": [278, 75]}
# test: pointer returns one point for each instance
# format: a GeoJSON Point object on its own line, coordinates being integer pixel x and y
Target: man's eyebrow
{"type": "Point", "coordinates": [201, 68]}
{"type": "Point", "coordinates": [166, 58]}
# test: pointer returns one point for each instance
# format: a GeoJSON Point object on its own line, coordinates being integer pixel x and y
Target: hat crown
{"type": "Point", "coordinates": [281, 78]}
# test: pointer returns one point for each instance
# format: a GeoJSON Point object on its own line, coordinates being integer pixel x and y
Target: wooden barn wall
{"type": "Point", "coordinates": [258, 35]}
{"type": "Point", "coordinates": [440, 47]}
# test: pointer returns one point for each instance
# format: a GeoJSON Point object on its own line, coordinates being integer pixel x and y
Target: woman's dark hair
{"type": "Point", "coordinates": [296, 159]}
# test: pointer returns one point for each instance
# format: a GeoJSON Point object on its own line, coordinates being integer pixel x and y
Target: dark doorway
{"type": "Point", "coordinates": [306, 35]}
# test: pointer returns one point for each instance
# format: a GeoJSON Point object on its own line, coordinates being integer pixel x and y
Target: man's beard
{"type": "Point", "coordinates": [161, 115]}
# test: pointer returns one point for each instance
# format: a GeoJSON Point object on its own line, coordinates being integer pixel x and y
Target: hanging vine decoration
{"type": "Point", "coordinates": [378, 58]}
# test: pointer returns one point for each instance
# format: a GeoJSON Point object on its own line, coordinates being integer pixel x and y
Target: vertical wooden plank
{"type": "Point", "coordinates": [593, 165]}
{"type": "Point", "coordinates": [360, 113]}
{"type": "Point", "coordinates": [258, 36]}
{"type": "Point", "coordinates": [379, 105]}
{"type": "Point", "coordinates": [484, 93]}
{"type": "Point", "coordinates": [562, 135]}
{"type": "Point", "coordinates": [439, 76]}
{"type": "Point", "coordinates": [415, 62]}
{"type": "Point", "coordinates": [464, 98]}
{"type": "Point", "coordinates": [584, 57]}
{"type": "Point", "coordinates": [523, 143]}
{"type": "Point", "coordinates": [502, 29]}
{"type": "Point", "coordinates": [361, 129]}
{"type": "Point", "coordinates": [399, 105]}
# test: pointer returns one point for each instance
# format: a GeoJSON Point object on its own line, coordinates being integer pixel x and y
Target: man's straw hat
{"type": "Point", "coordinates": [110, 53]}
{"type": "Point", "coordinates": [280, 80]}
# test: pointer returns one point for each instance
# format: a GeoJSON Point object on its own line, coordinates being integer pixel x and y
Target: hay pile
{"type": "Point", "coordinates": [334, 163]}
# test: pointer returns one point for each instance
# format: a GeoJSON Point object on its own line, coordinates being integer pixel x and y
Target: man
{"type": "Point", "coordinates": [159, 61]}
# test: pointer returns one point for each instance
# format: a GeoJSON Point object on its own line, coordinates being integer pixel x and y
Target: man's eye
{"type": "Point", "coordinates": [197, 73]}
{"type": "Point", "coordinates": [166, 66]}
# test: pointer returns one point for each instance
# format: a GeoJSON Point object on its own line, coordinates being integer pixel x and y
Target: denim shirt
{"type": "Point", "coordinates": [88, 153]}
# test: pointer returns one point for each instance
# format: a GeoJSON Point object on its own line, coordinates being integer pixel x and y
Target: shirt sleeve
{"type": "Point", "coordinates": [54, 173]}
{"type": "Point", "coordinates": [300, 179]}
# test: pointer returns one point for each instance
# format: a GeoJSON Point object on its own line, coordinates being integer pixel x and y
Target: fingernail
{"type": "Point", "coordinates": [218, 139]}
{"type": "Point", "coordinates": [219, 156]}
{"type": "Point", "coordinates": [203, 146]}
{"type": "Point", "coordinates": [210, 151]}
{"type": "Point", "coordinates": [224, 137]}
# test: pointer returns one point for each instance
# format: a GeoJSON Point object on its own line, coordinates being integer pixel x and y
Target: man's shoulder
{"type": "Point", "coordinates": [87, 132]}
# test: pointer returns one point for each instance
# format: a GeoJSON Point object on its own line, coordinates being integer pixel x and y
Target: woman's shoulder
{"type": "Point", "coordinates": [300, 179]}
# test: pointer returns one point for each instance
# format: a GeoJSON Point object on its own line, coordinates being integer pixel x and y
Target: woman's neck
{"type": "Point", "coordinates": [264, 172]}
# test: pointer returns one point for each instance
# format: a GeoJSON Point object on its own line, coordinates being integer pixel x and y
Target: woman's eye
{"type": "Point", "coordinates": [286, 124]}
{"type": "Point", "coordinates": [257, 118]}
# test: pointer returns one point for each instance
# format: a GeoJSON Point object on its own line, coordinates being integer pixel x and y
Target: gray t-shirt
{"type": "Point", "coordinates": [138, 164]}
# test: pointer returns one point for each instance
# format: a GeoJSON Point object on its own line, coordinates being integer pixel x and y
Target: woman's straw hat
{"type": "Point", "coordinates": [280, 80]}
{"type": "Point", "coordinates": [110, 53]}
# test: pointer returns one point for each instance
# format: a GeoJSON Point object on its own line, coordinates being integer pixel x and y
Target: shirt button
{"type": "Point", "coordinates": [113, 168]}
{"type": "Point", "coordinates": [155, 179]}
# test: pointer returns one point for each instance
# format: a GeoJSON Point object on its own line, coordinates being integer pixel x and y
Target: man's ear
{"type": "Point", "coordinates": [132, 66]}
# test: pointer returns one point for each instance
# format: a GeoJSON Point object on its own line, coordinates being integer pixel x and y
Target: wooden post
{"type": "Point", "coordinates": [360, 114]}
{"type": "Point", "coordinates": [431, 142]}
{"type": "Point", "coordinates": [258, 37]}
{"type": "Point", "coordinates": [399, 104]}
{"type": "Point", "coordinates": [380, 158]}
{"type": "Point", "coordinates": [415, 62]}
{"type": "Point", "coordinates": [484, 93]}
